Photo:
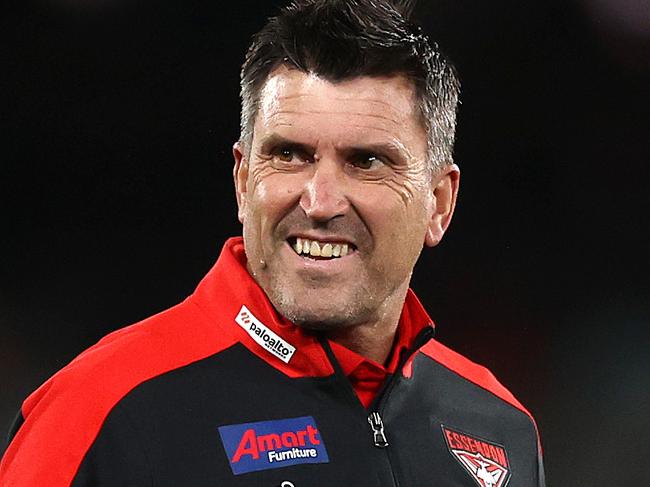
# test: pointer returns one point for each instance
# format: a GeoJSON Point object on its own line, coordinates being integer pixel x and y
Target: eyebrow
{"type": "Point", "coordinates": [274, 140]}
{"type": "Point", "coordinates": [395, 152]}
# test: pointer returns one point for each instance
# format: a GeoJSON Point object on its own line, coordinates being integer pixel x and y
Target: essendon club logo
{"type": "Point", "coordinates": [272, 444]}
{"type": "Point", "coordinates": [485, 461]}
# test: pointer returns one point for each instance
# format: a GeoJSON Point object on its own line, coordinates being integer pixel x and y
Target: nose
{"type": "Point", "coordinates": [324, 196]}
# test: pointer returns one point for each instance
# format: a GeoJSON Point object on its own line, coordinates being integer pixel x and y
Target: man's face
{"type": "Point", "coordinates": [338, 169]}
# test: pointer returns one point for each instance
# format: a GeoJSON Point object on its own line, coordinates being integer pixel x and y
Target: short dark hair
{"type": "Point", "coordinates": [343, 39]}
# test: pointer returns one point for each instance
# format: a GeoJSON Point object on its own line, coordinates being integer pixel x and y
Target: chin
{"type": "Point", "coordinates": [329, 316]}
{"type": "Point", "coordinates": [324, 324]}
{"type": "Point", "coordinates": [321, 308]}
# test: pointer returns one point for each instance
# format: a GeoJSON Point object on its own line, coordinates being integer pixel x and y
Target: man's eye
{"type": "Point", "coordinates": [285, 154]}
{"type": "Point", "coordinates": [366, 161]}
{"type": "Point", "coordinates": [288, 154]}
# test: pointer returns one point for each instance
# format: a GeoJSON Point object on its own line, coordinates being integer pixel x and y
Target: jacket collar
{"type": "Point", "coordinates": [232, 300]}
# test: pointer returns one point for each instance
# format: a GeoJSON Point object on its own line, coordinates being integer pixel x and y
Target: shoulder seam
{"type": "Point", "coordinates": [486, 389]}
{"type": "Point", "coordinates": [512, 401]}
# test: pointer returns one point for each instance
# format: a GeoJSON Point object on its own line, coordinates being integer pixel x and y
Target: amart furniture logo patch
{"type": "Point", "coordinates": [272, 444]}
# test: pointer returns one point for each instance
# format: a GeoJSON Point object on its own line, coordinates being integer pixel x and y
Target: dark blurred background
{"type": "Point", "coordinates": [117, 120]}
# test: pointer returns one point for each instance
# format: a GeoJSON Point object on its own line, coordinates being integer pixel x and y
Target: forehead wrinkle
{"type": "Point", "coordinates": [284, 124]}
{"type": "Point", "coordinates": [379, 129]}
{"type": "Point", "coordinates": [294, 96]}
{"type": "Point", "coordinates": [276, 113]}
{"type": "Point", "coordinates": [347, 99]}
{"type": "Point", "coordinates": [371, 100]}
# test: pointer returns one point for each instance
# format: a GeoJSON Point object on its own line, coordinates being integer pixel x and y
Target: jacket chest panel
{"type": "Point", "coordinates": [233, 420]}
{"type": "Point", "coordinates": [463, 434]}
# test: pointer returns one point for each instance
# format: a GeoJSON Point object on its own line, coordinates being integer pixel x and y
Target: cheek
{"type": "Point", "coordinates": [398, 224]}
{"type": "Point", "coordinates": [270, 198]}
{"type": "Point", "coordinates": [399, 207]}
{"type": "Point", "coordinates": [410, 183]}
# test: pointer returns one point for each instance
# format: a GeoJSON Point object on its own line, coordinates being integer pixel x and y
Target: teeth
{"type": "Point", "coordinates": [314, 250]}
{"type": "Point", "coordinates": [320, 249]}
{"type": "Point", "coordinates": [326, 251]}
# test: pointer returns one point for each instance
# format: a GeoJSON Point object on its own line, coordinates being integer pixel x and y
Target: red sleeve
{"type": "Point", "coordinates": [64, 416]}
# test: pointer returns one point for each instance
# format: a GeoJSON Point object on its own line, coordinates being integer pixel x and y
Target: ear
{"type": "Point", "coordinates": [445, 190]}
{"type": "Point", "coordinates": [240, 177]}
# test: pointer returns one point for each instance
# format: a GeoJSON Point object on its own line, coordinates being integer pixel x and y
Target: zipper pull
{"type": "Point", "coordinates": [377, 426]}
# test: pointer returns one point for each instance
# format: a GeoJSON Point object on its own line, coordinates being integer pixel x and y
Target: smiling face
{"type": "Point", "coordinates": [336, 198]}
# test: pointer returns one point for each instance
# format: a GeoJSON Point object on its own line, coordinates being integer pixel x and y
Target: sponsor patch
{"type": "Point", "coordinates": [485, 461]}
{"type": "Point", "coordinates": [272, 444]}
{"type": "Point", "coordinates": [264, 336]}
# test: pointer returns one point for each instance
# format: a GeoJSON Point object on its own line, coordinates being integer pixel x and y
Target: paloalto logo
{"type": "Point", "coordinates": [264, 336]}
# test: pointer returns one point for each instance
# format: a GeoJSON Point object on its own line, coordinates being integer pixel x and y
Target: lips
{"type": "Point", "coordinates": [321, 249]}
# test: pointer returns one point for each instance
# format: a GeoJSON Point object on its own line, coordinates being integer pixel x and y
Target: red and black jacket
{"type": "Point", "coordinates": [222, 391]}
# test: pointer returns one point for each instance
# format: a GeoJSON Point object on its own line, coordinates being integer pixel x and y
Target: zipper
{"type": "Point", "coordinates": [377, 407]}
{"type": "Point", "coordinates": [374, 419]}
{"type": "Point", "coordinates": [377, 426]}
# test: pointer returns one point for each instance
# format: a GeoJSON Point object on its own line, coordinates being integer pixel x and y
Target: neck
{"type": "Point", "coordinates": [374, 339]}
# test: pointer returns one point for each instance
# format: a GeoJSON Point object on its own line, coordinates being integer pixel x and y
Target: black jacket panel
{"type": "Point", "coordinates": [165, 432]}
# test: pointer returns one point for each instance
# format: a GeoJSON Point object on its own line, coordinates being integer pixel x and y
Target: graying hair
{"type": "Point", "coordinates": [344, 39]}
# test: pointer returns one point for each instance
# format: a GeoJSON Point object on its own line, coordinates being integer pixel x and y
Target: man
{"type": "Point", "coordinates": [302, 359]}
